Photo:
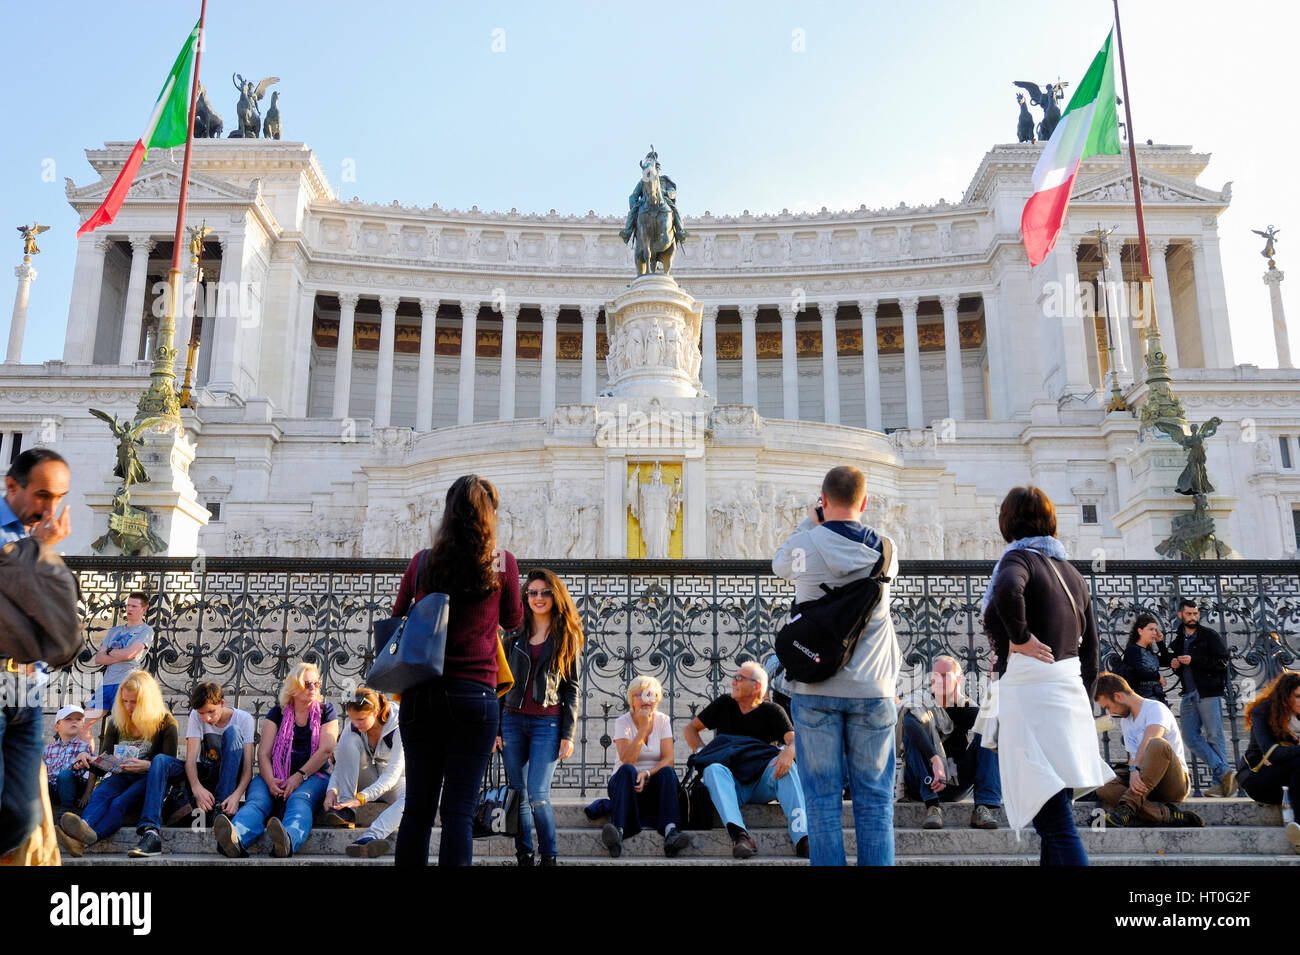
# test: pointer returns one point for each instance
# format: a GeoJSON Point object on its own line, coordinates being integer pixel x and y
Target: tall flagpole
{"type": "Point", "coordinates": [1161, 403]}
{"type": "Point", "coordinates": [159, 399]}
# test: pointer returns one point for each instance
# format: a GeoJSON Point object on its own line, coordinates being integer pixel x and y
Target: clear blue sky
{"type": "Point", "coordinates": [888, 102]}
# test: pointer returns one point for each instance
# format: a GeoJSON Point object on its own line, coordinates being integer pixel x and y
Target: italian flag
{"type": "Point", "coordinates": [1088, 127]}
{"type": "Point", "coordinates": [169, 125]}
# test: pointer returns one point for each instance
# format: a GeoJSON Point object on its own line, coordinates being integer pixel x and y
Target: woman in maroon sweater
{"type": "Point", "coordinates": [448, 725]}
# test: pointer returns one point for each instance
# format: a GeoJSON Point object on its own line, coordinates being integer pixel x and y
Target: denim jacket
{"type": "Point", "coordinates": [548, 687]}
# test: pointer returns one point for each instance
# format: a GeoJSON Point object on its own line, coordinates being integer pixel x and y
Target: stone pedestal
{"type": "Point", "coordinates": [670, 430]}
{"type": "Point", "coordinates": [175, 513]}
{"type": "Point", "coordinates": [654, 334]}
{"type": "Point", "coordinates": [1147, 512]}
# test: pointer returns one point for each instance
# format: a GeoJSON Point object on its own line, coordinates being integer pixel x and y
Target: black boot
{"type": "Point", "coordinates": [549, 861]}
{"type": "Point", "coordinates": [525, 859]}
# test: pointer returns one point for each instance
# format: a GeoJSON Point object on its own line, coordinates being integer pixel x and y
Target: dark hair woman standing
{"type": "Point", "coordinates": [1144, 655]}
{"type": "Point", "coordinates": [448, 725]}
{"type": "Point", "coordinates": [1038, 615]}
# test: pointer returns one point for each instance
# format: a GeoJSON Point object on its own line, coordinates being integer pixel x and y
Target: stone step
{"type": "Point", "coordinates": [954, 841]}
{"type": "Point", "coordinates": [307, 859]}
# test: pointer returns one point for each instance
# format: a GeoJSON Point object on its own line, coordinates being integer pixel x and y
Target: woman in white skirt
{"type": "Point", "coordinates": [1038, 616]}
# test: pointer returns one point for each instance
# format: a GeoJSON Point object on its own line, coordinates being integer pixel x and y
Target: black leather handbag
{"type": "Point", "coordinates": [497, 813]}
{"type": "Point", "coordinates": [414, 646]}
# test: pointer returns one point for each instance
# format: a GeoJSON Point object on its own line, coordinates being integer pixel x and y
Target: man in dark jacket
{"type": "Point", "coordinates": [944, 758]}
{"type": "Point", "coordinates": [34, 488]}
{"type": "Point", "coordinates": [1200, 659]}
{"type": "Point", "coordinates": [745, 713]}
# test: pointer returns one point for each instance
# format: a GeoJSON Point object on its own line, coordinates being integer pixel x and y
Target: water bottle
{"type": "Point", "coordinates": [1288, 812]}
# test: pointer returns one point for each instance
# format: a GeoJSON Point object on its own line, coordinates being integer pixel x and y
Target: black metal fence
{"type": "Point", "coordinates": [245, 622]}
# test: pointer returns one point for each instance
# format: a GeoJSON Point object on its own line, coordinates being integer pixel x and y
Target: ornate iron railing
{"type": "Point", "coordinates": [245, 622]}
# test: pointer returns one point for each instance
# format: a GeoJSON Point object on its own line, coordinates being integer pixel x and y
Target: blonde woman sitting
{"type": "Point", "coordinates": [298, 738]}
{"type": "Point", "coordinates": [139, 729]}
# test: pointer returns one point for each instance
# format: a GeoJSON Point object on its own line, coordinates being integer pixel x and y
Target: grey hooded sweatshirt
{"type": "Point", "coordinates": [815, 554]}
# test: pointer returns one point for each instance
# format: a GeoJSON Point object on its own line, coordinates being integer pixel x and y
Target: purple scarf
{"type": "Point", "coordinates": [282, 751]}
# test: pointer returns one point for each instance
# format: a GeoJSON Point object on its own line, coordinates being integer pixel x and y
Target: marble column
{"type": "Point", "coordinates": [789, 364]}
{"type": "Point", "coordinates": [550, 315]}
{"type": "Point", "coordinates": [952, 357]}
{"type": "Point", "coordinates": [26, 275]}
{"type": "Point", "coordinates": [709, 350]}
{"type": "Point", "coordinates": [871, 364]}
{"type": "Point", "coordinates": [1073, 359]}
{"type": "Point", "coordinates": [427, 369]}
{"type": "Point", "coordinates": [1157, 248]}
{"type": "Point", "coordinates": [1210, 264]}
{"type": "Point", "coordinates": [1117, 327]}
{"type": "Point", "coordinates": [133, 314]}
{"type": "Point", "coordinates": [343, 357]}
{"type": "Point", "coordinates": [468, 346]}
{"type": "Point", "coordinates": [912, 361]}
{"type": "Point", "coordinates": [590, 311]}
{"type": "Point", "coordinates": [749, 355]}
{"type": "Point", "coordinates": [227, 327]}
{"type": "Point", "coordinates": [1273, 279]}
{"type": "Point", "coordinates": [384, 374]}
{"type": "Point", "coordinates": [301, 362]}
{"type": "Point", "coordinates": [509, 346]}
{"type": "Point", "coordinates": [83, 310]}
{"type": "Point", "coordinates": [830, 363]}
{"type": "Point", "coordinates": [994, 349]}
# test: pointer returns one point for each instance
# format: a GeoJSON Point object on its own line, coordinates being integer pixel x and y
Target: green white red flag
{"type": "Point", "coordinates": [168, 126]}
{"type": "Point", "coordinates": [1088, 127]}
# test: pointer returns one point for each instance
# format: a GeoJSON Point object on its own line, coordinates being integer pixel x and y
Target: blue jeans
{"type": "Point", "coordinates": [1054, 823]}
{"type": "Point", "coordinates": [302, 804]}
{"type": "Point", "coordinates": [729, 795]}
{"type": "Point", "coordinates": [66, 790]}
{"type": "Point", "coordinates": [977, 769]}
{"type": "Point", "coordinates": [1205, 715]}
{"type": "Point", "coordinates": [532, 748]}
{"type": "Point", "coordinates": [448, 727]}
{"type": "Point", "coordinates": [838, 734]}
{"type": "Point", "coordinates": [113, 798]}
{"type": "Point", "coordinates": [21, 750]}
{"type": "Point", "coordinates": [164, 769]}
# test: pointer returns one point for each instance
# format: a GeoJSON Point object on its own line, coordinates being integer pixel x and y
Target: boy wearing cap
{"type": "Point", "coordinates": [69, 787]}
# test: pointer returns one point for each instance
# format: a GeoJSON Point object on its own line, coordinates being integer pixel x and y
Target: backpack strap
{"type": "Point", "coordinates": [886, 559]}
{"type": "Point", "coordinates": [1061, 580]}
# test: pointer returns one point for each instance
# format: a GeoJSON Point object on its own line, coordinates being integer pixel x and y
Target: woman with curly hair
{"type": "Point", "coordinates": [1272, 759]}
{"type": "Point", "coordinates": [449, 723]}
{"type": "Point", "coordinates": [539, 716]}
{"type": "Point", "coordinates": [298, 738]}
{"type": "Point", "coordinates": [139, 729]}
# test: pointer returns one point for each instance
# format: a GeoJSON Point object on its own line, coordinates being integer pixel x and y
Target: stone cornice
{"type": "Point", "coordinates": [1015, 162]}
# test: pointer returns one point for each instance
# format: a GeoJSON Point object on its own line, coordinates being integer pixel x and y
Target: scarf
{"type": "Point", "coordinates": [282, 751]}
{"type": "Point", "coordinates": [1047, 546]}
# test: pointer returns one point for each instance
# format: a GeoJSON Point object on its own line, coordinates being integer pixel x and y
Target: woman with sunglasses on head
{"type": "Point", "coordinates": [539, 716]}
{"type": "Point", "coordinates": [298, 739]}
{"type": "Point", "coordinates": [448, 724]}
{"type": "Point", "coordinates": [368, 767]}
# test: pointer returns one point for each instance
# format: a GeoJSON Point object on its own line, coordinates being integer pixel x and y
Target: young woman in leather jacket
{"type": "Point", "coordinates": [539, 716]}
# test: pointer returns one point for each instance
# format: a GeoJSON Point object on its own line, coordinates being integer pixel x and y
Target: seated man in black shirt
{"type": "Point", "coordinates": [943, 759]}
{"type": "Point", "coordinates": [744, 713]}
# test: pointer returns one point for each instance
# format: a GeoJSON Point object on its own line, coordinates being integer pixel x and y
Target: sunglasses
{"type": "Point", "coordinates": [539, 594]}
{"type": "Point", "coordinates": [311, 686]}
{"type": "Point", "coordinates": [741, 676]}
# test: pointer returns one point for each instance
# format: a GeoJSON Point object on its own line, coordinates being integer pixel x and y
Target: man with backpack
{"type": "Point", "coordinates": [847, 716]}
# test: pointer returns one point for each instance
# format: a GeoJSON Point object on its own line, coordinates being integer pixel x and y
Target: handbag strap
{"type": "Point", "coordinates": [1061, 580]}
